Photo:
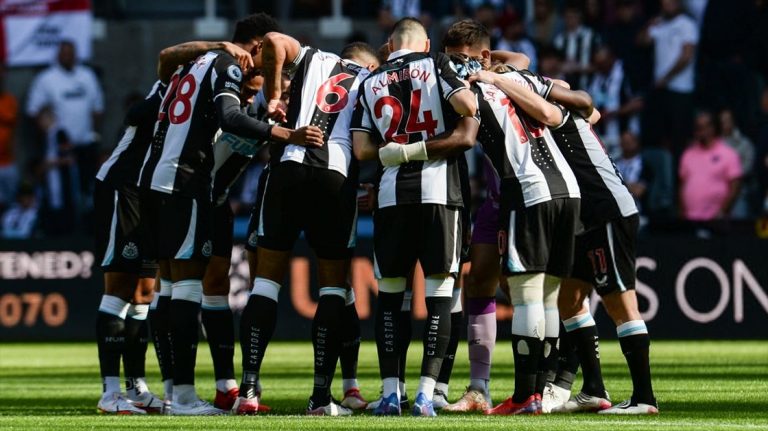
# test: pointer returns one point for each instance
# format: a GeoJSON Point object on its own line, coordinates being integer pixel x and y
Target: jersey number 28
{"type": "Point", "coordinates": [179, 94]}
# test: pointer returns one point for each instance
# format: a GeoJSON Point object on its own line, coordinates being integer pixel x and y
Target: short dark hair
{"type": "Point", "coordinates": [253, 26]}
{"type": "Point", "coordinates": [467, 32]}
{"type": "Point", "coordinates": [355, 48]}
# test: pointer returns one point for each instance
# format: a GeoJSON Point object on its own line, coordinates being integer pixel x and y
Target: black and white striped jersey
{"type": "Point", "coordinates": [405, 101]}
{"type": "Point", "coordinates": [180, 158]}
{"type": "Point", "coordinates": [604, 195]}
{"type": "Point", "coordinates": [123, 165]}
{"type": "Point", "coordinates": [523, 152]}
{"type": "Point", "coordinates": [323, 94]}
{"type": "Point", "coordinates": [232, 154]}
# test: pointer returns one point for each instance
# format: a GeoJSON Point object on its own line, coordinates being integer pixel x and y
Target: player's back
{"type": "Point", "coordinates": [323, 93]}
{"type": "Point", "coordinates": [181, 155]}
{"type": "Point", "coordinates": [405, 101]}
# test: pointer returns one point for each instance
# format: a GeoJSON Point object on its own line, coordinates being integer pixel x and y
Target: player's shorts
{"type": "Point", "coordinates": [222, 230]}
{"type": "Point", "coordinates": [485, 230]}
{"type": "Point", "coordinates": [118, 231]}
{"type": "Point", "coordinates": [253, 223]}
{"type": "Point", "coordinates": [540, 238]}
{"type": "Point", "coordinates": [605, 256]}
{"type": "Point", "coordinates": [429, 233]}
{"type": "Point", "coordinates": [176, 227]}
{"type": "Point", "coordinates": [320, 202]}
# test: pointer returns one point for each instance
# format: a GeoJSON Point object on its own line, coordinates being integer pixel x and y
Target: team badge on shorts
{"type": "Point", "coordinates": [207, 248]}
{"type": "Point", "coordinates": [253, 238]}
{"type": "Point", "coordinates": [130, 251]}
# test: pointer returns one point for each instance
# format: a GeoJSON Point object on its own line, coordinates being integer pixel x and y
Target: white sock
{"type": "Point", "coordinates": [225, 385]}
{"type": "Point", "coordinates": [184, 394]}
{"type": "Point", "coordinates": [401, 385]}
{"type": "Point", "coordinates": [111, 385]}
{"type": "Point", "coordinates": [481, 385]}
{"type": "Point", "coordinates": [348, 384]}
{"type": "Point", "coordinates": [141, 384]}
{"type": "Point", "coordinates": [168, 389]}
{"type": "Point", "coordinates": [426, 387]}
{"type": "Point", "coordinates": [391, 385]}
{"type": "Point", "coordinates": [442, 387]}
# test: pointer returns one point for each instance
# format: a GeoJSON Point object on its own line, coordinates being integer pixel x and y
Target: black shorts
{"type": "Point", "coordinates": [176, 227]}
{"type": "Point", "coordinates": [253, 223]}
{"type": "Point", "coordinates": [605, 256]}
{"type": "Point", "coordinates": [429, 233]}
{"type": "Point", "coordinates": [540, 238]}
{"type": "Point", "coordinates": [320, 202]}
{"type": "Point", "coordinates": [222, 230]}
{"type": "Point", "coordinates": [118, 231]}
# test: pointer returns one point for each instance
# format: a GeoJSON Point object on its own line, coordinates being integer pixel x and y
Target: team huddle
{"type": "Point", "coordinates": [558, 223]}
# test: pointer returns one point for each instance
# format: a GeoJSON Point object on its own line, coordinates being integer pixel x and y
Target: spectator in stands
{"type": "Point", "coordinates": [514, 39]}
{"type": "Point", "coordinates": [636, 175]}
{"type": "Point", "coordinates": [622, 37]}
{"type": "Point", "coordinates": [670, 105]}
{"type": "Point", "coordinates": [550, 63]}
{"type": "Point", "coordinates": [546, 22]}
{"type": "Point", "coordinates": [614, 98]}
{"type": "Point", "coordinates": [487, 15]}
{"type": "Point", "coordinates": [9, 174]}
{"type": "Point", "coordinates": [746, 151]}
{"type": "Point", "coordinates": [20, 220]}
{"type": "Point", "coordinates": [710, 174]}
{"type": "Point", "coordinates": [72, 91]}
{"type": "Point", "coordinates": [577, 43]}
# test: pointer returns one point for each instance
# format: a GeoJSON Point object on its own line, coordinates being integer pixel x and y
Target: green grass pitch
{"type": "Point", "coordinates": [700, 385]}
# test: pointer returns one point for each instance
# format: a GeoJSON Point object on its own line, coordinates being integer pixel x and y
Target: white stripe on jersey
{"type": "Point", "coordinates": [125, 141]}
{"type": "Point", "coordinates": [562, 164]}
{"type": "Point", "coordinates": [605, 167]}
{"type": "Point", "coordinates": [434, 183]}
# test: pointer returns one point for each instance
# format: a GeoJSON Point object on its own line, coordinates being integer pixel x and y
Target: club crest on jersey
{"type": "Point", "coordinates": [207, 248]}
{"type": "Point", "coordinates": [235, 73]}
{"type": "Point", "coordinates": [130, 251]}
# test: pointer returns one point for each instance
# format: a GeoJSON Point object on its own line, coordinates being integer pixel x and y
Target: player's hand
{"type": "Point", "coordinates": [310, 136]}
{"type": "Point", "coordinates": [392, 154]}
{"type": "Point", "coordinates": [242, 56]}
{"type": "Point", "coordinates": [485, 76]}
{"type": "Point", "coordinates": [276, 110]}
{"type": "Point", "coordinates": [366, 197]}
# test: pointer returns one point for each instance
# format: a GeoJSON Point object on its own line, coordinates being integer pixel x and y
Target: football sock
{"type": "Point", "coordinates": [326, 341]}
{"type": "Point", "coordinates": [110, 340]}
{"type": "Point", "coordinates": [446, 369]}
{"type": "Point", "coordinates": [550, 355]}
{"type": "Point", "coordinates": [388, 322]}
{"type": "Point", "coordinates": [350, 343]}
{"type": "Point", "coordinates": [404, 337]}
{"type": "Point", "coordinates": [528, 330]}
{"type": "Point", "coordinates": [257, 325]}
{"type": "Point", "coordinates": [481, 339]}
{"type": "Point", "coordinates": [635, 344]}
{"type": "Point", "coordinates": [186, 297]}
{"type": "Point", "coordinates": [135, 355]}
{"type": "Point", "coordinates": [582, 334]}
{"type": "Point", "coordinates": [568, 362]}
{"type": "Point", "coordinates": [437, 331]}
{"type": "Point", "coordinates": [159, 323]}
{"type": "Point", "coordinates": [220, 329]}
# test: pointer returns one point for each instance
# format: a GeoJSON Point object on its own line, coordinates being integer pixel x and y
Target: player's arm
{"type": "Point", "coordinates": [447, 144]}
{"type": "Point", "coordinates": [576, 100]}
{"type": "Point", "coordinates": [515, 59]}
{"type": "Point", "coordinates": [172, 57]}
{"type": "Point", "coordinates": [277, 49]}
{"type": "Point", "coordinates": [533, 104]}
{"type": "Point", "coordinates": [363, 146]}
{"type": "Point", "coordinates": [362, 128]}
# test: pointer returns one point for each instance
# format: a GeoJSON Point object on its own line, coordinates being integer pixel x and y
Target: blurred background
{"type": "Point", "coordinates": [681, 85]}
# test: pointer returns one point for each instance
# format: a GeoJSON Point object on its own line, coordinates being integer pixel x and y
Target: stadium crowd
{"type": "Point", "coordinates": [678, 82]}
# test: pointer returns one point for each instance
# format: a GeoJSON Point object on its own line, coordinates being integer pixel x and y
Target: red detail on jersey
{"type": "Point", "coordinates": [429, 125]}
{"type": "Point", "coordinates": [397, 115]}
{"type": "Point", "coordinates": [515, 119]}
{"type": "Point", "coordinates": [331, 86]}
{"type": "Point", "coordinates": [184, 93]}
{"type": "Point", "coordinates": [172, 86]}
{"type": "Point", "coordinates": [413, 125]}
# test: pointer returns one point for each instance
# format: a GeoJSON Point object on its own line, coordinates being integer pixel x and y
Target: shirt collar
{"type": "Point", "coordinates": [399, 53]}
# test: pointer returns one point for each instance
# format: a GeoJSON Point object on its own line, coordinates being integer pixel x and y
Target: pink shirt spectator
{"type": "Point", "coordinates": [705, 174]}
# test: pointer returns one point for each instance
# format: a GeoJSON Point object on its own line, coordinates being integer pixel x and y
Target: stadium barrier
{"type": "Point", "coordinates": [688, 289]}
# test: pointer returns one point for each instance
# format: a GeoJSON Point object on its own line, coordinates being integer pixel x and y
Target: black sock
{"type": "Point", "coordinates": [404, 337]}
{"type": "Point", "coordinates": [326, 341]}
{"type": "Point", "coordinates": [110, 340]}
{"type": "Point", "coordinates": [159, 323]}
{"type": "Point", "coordinates": [257, 325]}
{"type": "Point", "coordinates": [547, 364]}
{"type": "Point", "coordinates": [388, 322]}
{"type": "Point", "coordinates": [220, 329]}
{"type": "Point", "coordinates": [636, 350]}
{"type": "Point", "coordinates": [457, 321]}
{"type": "Point", "coordinates": [135, 355]}
{"type": "Point", "coordinates": [350, 342]}
{"type": "Point", "coordinates": [184, 333]}
{"type": "Point", "coordinates": [568, 362]}
{"type": "Point", "coordinates": [527, 353]}
{"type": "Point", "coordinates": [437, 334]}
{"type": "Point", "coordinates": [587, 346]}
